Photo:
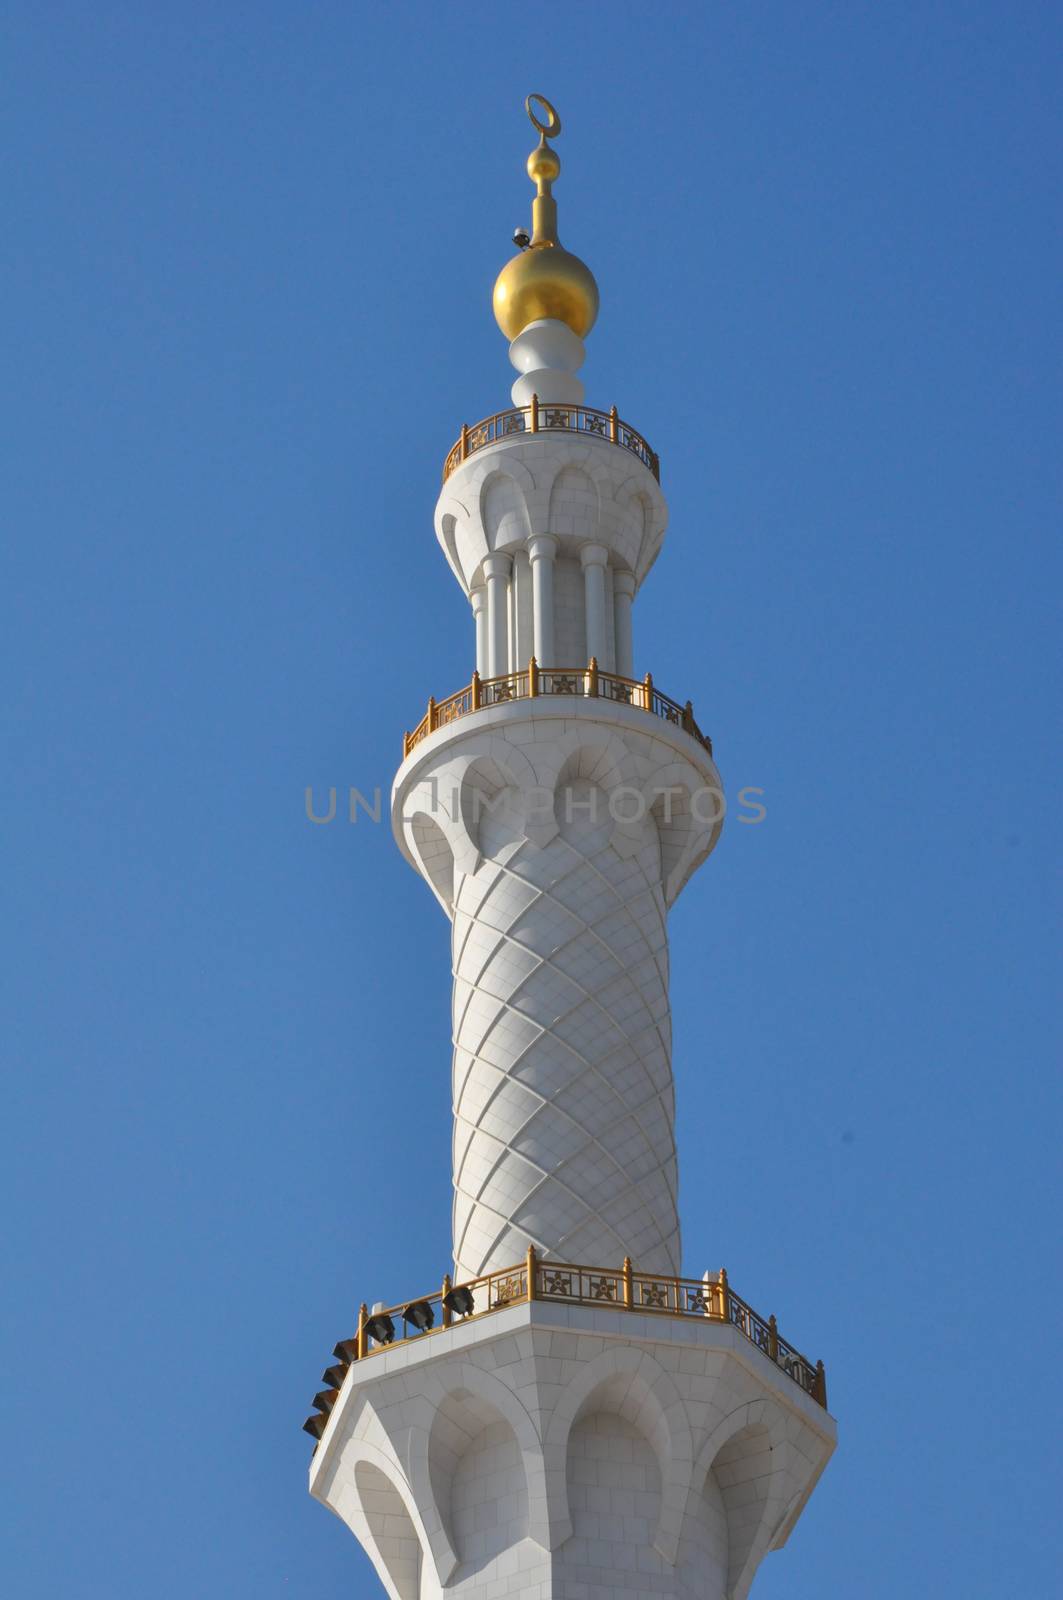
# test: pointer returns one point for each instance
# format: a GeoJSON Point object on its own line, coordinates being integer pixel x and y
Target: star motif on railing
{"type": "Point", "coordinates": [676, 1297]}
{"type": "Point", "coordinates": [570, 418]}
{"type": "Point", "coordinates": [530, 683]}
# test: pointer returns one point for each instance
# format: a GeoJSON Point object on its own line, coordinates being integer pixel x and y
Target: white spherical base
{"type": "Point", "coordinates": [547, 354]}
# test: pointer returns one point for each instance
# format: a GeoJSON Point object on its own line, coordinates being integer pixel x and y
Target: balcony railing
{"type": "Point", "coordinates": [708, 1299]}
{"type": "Point", "coordinates": [541, 417]}
{"type": "Point", "coordinates": [587, 682]}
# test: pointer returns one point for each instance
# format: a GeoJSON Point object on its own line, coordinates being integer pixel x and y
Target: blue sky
{"type": "Point", "coordinates": [248, 252]}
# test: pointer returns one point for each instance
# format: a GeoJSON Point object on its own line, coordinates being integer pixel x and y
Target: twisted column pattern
{"type": "Point", "coordinates": [563, 1094]}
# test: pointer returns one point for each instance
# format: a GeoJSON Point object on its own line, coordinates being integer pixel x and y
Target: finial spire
{"type": "Point", "coordinates": [545, 282]}
{"type": "Point", "coordinates": [544, 165]}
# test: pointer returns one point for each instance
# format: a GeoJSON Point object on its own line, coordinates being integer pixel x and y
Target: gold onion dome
{"type": "Point", "coordinates": [545, 280]}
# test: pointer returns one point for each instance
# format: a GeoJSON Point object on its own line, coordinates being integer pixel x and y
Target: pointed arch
{"type": "Point", "coordinates": [601, 757]}
{"type": "Point", "coordinates": [490, 772]}
{"type": "Point", "coordinates": [477, 1393]}
{"type": "Point", "coordinates": [503, 509]}
{"type": "Point", "coordinates": [689, 817]}
{"type": "Point", "coordinates": [435, 857]}
{"type": "Point", "coordinates": [749, 1447]}
{"type": "Point", "coordinates": [575, 503]}
{"type": "Point", "coordinates": [633, 1383]}
{"type": "Point", "coordinates": [379, 1507]}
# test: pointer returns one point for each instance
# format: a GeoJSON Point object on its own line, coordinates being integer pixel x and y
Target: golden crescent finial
{"type": "Point", "coordinates": [553, 126]}
{"type": "Point", "coordinates": [545, 281]}
{"type": "Point", "coordinates": [544, 165]}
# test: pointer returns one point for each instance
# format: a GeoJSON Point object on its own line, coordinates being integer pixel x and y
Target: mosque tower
{"type": "Point", "coordinates": [565, 1415]}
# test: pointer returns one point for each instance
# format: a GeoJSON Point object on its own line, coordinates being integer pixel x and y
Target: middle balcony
{"type": "Point", "coordinates": [587, 682]}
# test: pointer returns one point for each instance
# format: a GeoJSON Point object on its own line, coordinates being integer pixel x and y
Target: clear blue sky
{"type": "Point", "coordinates": [248, 253]}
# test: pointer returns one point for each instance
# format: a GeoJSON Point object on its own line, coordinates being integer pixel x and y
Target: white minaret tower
{"type": "Point", "coordinates": [565, 1413]}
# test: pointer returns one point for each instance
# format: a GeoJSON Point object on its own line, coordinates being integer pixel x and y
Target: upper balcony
{"type": "Point", "coordinates": [552, 418]}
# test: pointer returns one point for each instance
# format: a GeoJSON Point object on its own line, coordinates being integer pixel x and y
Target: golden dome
{"type": "Point", "coordinates": [545, 280]}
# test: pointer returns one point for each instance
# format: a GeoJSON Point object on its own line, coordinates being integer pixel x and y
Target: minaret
{"type": "Point", "coordinates": [565, 1408]}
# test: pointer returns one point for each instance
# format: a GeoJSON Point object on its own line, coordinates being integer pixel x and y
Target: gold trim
{"type": "Point", "coordinates": [553, 127]}
{"type": "Point", "coordinates": [536, 418]}
{"type": "Point", "coordinates": [588, 682]}
{"type": "Point", "coordinates": [642, 1293]}
{"type": "Point", "coordinates": [544, 279]}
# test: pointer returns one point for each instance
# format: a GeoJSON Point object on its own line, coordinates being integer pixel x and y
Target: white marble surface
{"type": "Point", "coordinates": [585, 493]}
{"type": "Point", "coordinates": [547, 1451]}
{"type": "Point", "coordinates": [556, 845]}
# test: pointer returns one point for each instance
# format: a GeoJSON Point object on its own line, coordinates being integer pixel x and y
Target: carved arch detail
{"type": "Point", "coordinates": [662, 1419]}
{"type": "Point", "coordinates": [755, 1421]}
{"type": "Point", "coordinates": [451, 1385]}
{"type": "Point", "coordinates": [365, 1524]}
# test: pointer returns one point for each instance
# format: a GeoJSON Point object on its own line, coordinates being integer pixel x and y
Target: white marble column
{"type": "Point", "coordinates": [478, 598]}
{"type": "Point", "coordinates": [594, 558]}
{"type": "Point", "coordinates": [542, 550]}
{"type": "Point", "coordinates": [623, 595]}
{"type": "Point", "coordinates": [496, 570]}
{"type": "Point", "coordinates": [523, 636]}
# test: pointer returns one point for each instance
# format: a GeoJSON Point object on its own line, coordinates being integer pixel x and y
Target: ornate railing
{"type": "Point", "coordinates": [588, 682]}
{"type": "Point", "coordinates": [542, 417]}
{"type": "Point", "coordinates": [706, 1299]}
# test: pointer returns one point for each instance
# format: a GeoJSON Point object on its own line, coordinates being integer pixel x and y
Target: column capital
{"type": "Point", "coordinates": [623, 582]}
{"type": "Point", "coordinates": [478, 596]}
{"type": "Point", "coordinates": [497, 565]}
{"type": "Point", "coordinates": [543, 546]}
{"type": "Point", "coordinates": [593, 555]}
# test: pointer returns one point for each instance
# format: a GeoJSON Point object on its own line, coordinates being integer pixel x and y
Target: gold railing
{"type": "Point", "coordinates": [542, 417]}
{"type": "Point", "coordinates": [588, 682]}
{"type": "Point", "coordinates": [707, 1299]}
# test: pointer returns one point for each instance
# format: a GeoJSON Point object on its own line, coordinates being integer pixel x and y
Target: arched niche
{"type": "Point", "coordinates": [476, 1464]}
{"type": "Point", "coordinates": [386, 1530]}
{"type": "Point", "coordinates": [743, 1470]}
{"type": "Point", "coordinates": [503, 511]}
{"type": "Point", "coordinates": [613, 1478]}
{"type": "Point", "coordinates": [631, 1386]}
{"type": "Point", "coordinates": [492, 788]}
{"type": "Point", "coordinates": [703, 1556]}
{"type": "Point", "coordinates": [574, 504]}
{"type": "Point", "coordinates": [432, 848]}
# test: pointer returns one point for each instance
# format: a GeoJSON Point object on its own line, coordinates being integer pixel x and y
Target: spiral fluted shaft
{"type": "Point", "coordinates": [563, 1097]}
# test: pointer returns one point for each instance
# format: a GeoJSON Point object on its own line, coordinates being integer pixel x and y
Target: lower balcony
{"type": "Point", "coordinates": [710, 1298]}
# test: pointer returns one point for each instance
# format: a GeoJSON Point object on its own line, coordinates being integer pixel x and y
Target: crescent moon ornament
{"type": "Point", "coordinates": [552, 127]}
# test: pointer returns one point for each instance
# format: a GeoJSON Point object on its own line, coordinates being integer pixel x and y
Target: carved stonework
{"type": "Point", "coordinates": [461, 1459]}
{"type": "Point", "coordinates": [557, 852]}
